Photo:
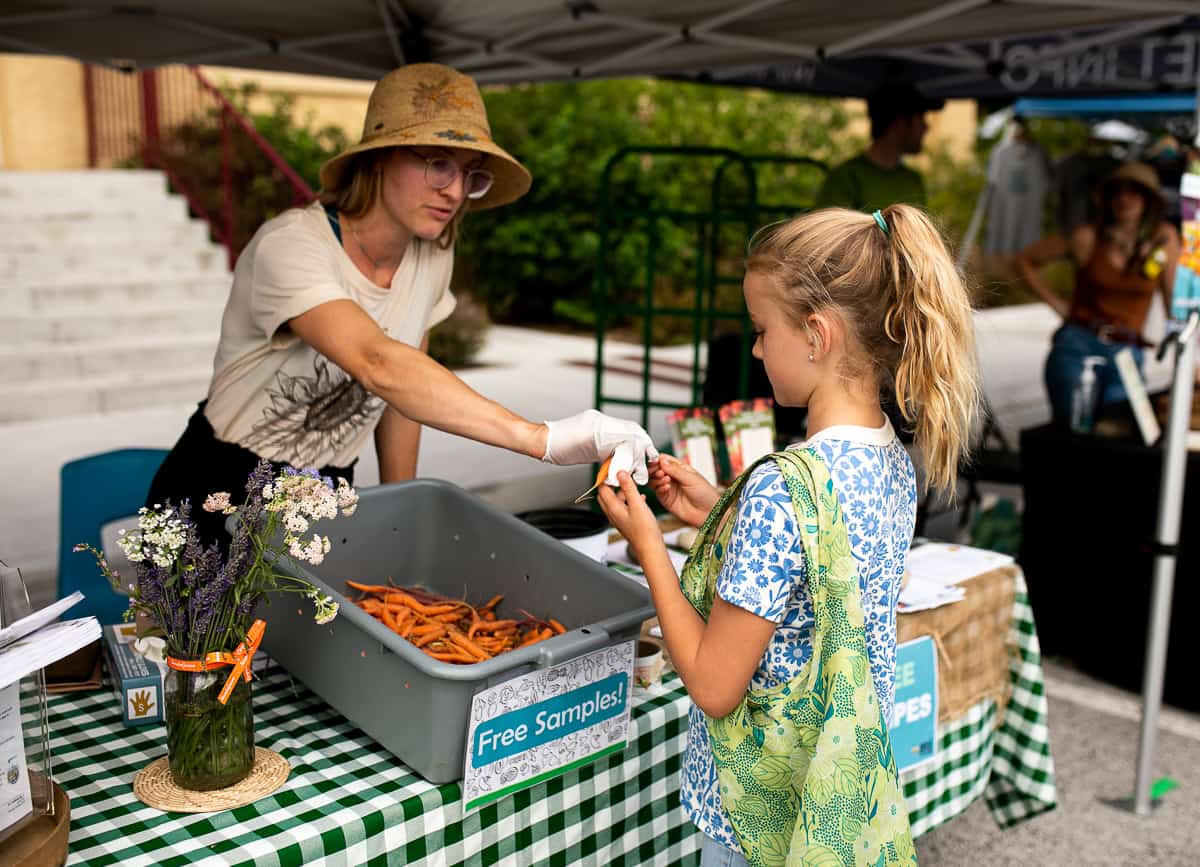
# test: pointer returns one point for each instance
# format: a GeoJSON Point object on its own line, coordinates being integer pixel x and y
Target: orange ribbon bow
{"type": "Point", "coordinates": [239, 659]}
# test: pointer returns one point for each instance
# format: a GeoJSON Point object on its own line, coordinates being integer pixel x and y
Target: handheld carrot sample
{"type": "Point", "coordinates": [601, 478]}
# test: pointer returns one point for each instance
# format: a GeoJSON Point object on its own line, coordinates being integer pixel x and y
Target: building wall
{"type": "Point", "coordinates": [328, 101]}
{"type": "Point", "coordinates": [42, 117]}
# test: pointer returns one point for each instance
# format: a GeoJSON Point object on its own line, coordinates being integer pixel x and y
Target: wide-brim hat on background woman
{"type": "Point", "coordinates": [1136, 173]}
{"type": "Point", "coordinates": [430, 105]}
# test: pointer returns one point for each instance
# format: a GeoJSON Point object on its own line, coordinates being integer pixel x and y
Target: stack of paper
{"type": "Point", "coordinates": [34, 642]}
{"type": "Point", "coordinates": [919, 595]}
{"type": "Point", "coordinates": [936, 569]}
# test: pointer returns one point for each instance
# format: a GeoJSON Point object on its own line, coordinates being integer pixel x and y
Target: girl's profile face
{"type": "Point", "coordinates": [782, 346]}
{"type": "Point", "coordinates": [409, 199]}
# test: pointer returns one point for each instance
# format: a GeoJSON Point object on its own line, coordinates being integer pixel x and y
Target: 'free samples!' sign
{"type": "Point", "coordinates": [544, 723]}
{"type": "Point", "coordinates": [547, 720]}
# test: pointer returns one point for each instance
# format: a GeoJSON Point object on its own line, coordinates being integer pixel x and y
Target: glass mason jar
{"type": "Point", "coordinates": [209, 745]}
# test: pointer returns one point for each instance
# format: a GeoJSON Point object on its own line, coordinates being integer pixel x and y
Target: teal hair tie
{"type": "Point", "coordinates": [881, 222]}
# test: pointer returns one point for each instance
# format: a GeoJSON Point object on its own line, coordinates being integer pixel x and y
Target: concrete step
{"type": "Point", "coordinates": [122, 209]}
{"type": "Point", "coordinates": [82, 237]}
{"type": "Point", "coordinates": [130, 356]}
{"type": "Point", "coordinates": [83, 325]}
{"type": "Point", "coordinates": [162, 290]}
{"type": "Point", "coordinates": [130, 263]}
{"type": "Point", "coordinates": [103, 394]}
{"type": "Point", "coordinates": [92, 182]}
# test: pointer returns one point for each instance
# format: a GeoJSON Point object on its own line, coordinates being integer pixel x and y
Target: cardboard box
{"type": "Point", "coordinates": [137, 681]}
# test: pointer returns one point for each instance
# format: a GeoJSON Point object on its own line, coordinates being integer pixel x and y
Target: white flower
{"type": "Point", "coordinates": [295, 523]}
{"type": "Point", "coordinates": [347, 498]}
{"type": "Point", "coordinates": [219, 502]}
{"type": "Point", "coordinates": [327, 609]}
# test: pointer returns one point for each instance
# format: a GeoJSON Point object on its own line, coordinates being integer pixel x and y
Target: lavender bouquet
{"type": "Point", "coordinates": [202, 604]}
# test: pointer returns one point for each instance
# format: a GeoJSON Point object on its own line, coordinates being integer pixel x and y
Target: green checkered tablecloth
{"type": "Point", "coordinates": [348, 801]}
{"type": "Point", "coordinates": [1010, 765]}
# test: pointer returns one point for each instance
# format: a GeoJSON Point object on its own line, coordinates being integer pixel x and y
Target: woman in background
{"type": "Point", "coordinates": [1120, 261]}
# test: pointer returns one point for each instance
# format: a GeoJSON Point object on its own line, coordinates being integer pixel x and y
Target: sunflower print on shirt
{"type": "Point", "coordinates": [310, 417]}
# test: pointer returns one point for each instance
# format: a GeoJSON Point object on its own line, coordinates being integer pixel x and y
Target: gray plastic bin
{"type": "Point", "coordinates": [436, 535]}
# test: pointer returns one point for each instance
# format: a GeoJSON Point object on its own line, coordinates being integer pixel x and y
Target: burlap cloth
{"type": "Point", "coordinates": [972, 642]}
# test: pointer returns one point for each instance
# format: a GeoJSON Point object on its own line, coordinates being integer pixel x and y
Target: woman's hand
{"type": "Point", "coordinates": [627, 511]}
{"type": "Point", "coordinates": [591, 436]}
{"type": "Point", "coordinates": [683, 492]}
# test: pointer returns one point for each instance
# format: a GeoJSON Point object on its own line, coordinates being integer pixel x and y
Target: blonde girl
{"type": "Point", "coordinates": [783, 623]}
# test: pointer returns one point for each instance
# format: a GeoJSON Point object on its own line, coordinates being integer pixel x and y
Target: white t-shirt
{"type": "Point", "coordinates": [274, 394]}
{"type": "Point", "coordinates": [1018, 179]}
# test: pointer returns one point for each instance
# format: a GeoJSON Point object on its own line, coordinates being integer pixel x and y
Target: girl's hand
{"type": "Point", "coordinates": [683, 492]}
{"type": "Point", "coordinates": [628, 512]}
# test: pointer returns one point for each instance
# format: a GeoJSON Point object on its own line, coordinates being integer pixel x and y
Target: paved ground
{"type": "Point", "coordinates": [1093, 733]}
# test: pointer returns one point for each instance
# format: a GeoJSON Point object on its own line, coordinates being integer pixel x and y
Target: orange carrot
{"type": "Point", "coordinates": [368, 588]}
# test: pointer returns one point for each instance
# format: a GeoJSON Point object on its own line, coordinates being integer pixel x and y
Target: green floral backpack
{"type": "Point", "coordinates": [806, 771]}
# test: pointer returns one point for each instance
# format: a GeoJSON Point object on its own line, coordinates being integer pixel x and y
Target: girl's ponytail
{"type": "Point", "coordinates": [929, 317]}
{"type": "Point", "coordinates": [892, 282]}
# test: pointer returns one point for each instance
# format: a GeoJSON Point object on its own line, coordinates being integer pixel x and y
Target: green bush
{"type": "Point", "coordinates": [456, 341]}
{"type": "Point", "coordinates": [535, 260]}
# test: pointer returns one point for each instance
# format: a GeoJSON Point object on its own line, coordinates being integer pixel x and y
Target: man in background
{"type": "Point", "coordinates": [877, 178]}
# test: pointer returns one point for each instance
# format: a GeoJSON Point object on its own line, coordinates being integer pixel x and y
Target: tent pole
{"type": "Point", "coordinates": [968, 241]}
{"type": "Point", "coordinates": [1170, 508]}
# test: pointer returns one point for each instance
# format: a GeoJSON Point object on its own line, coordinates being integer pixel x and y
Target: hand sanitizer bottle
{"type": "Point", "coordinates": [1083, 400]}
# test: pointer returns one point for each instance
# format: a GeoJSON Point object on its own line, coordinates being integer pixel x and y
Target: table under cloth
{"type": "Point", "coordinates": [348, 801]}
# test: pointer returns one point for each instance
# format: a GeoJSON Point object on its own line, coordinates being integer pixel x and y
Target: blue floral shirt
{"type": "Point", "coordinates": [764, 573]}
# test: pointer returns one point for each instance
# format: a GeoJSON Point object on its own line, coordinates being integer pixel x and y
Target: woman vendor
{"type": "Point", "coordinates": [324, 334]}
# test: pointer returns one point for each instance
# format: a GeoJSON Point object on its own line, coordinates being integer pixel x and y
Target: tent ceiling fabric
{"type": "Point", "coordinates": [956, 45]}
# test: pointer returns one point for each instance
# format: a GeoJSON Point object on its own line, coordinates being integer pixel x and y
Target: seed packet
{"type": "Point", "coordinates": [694, 439]}
{"type": "Point", "coordinates": [749, 427]}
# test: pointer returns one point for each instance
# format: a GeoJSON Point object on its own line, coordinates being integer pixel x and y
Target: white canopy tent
{"type": "Point", "coordinates": [955, 47]}
{"type": "Point", "coordinates": [969, 48]}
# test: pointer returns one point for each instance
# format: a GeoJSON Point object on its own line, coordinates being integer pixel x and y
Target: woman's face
{"type": "Point", "coordinates": [411, 202]}
{"type": "Point", "coordinates": [782, 347]}
{"type": "Point", "coordinates": [1127, 201]}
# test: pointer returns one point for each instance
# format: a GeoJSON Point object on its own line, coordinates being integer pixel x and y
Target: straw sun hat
{"type": "Point", "coordinates": [1136, 173]}
{"type": "Point", "coordinates": [430, 105]}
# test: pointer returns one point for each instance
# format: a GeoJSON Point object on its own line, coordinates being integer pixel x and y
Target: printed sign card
{"type": "Point", "coordinates": [914, 717]}
{"type": "Point", "coordinates": [544, 723]}
{"type": "Point", "coordinates": [16, 801]}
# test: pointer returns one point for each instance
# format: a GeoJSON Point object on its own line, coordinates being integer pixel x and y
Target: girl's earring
{"type": "Point", "coordinates": [810, 358]}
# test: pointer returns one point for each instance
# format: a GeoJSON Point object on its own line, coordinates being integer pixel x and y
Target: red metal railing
{"type": "Point", "coordinates": [175, 120]}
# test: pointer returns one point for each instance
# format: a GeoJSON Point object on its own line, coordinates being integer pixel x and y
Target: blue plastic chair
{"type": "Point", "coordinates": [96, 490]}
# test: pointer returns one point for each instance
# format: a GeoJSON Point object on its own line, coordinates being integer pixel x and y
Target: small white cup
{"type": "Point", "coordinates": [648, 663]}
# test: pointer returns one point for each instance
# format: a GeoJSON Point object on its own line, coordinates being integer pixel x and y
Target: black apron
{"type": "Point", "coordinates": [200, 464]}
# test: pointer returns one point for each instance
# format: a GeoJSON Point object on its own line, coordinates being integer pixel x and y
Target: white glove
{"type": "Point", "coordinates": [591, 436]}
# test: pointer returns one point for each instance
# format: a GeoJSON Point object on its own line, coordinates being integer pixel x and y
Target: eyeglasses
{"type": "Point", "coordinates": [441, 172]}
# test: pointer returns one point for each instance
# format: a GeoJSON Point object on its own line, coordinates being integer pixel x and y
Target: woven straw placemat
{"type": "Point", "coordinates": [154, 787]}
